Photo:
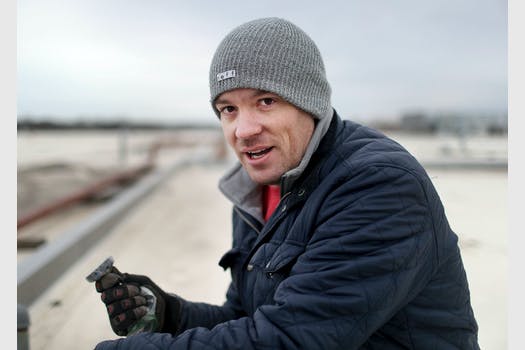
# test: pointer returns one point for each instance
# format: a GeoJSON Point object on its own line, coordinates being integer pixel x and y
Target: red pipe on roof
{"type": "Point", "coordinates": [99, 186]}
{"type": "Point", "coordinates": [84, 193]}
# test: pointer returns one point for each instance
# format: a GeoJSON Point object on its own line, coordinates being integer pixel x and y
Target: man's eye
{"type": "Point", "coordinates": [227, 109]}
{"type": "Point", "coordinates": [267, 101]}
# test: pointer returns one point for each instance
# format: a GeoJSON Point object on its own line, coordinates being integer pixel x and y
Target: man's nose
{"type": "Point", "coordinates": [248, 125]}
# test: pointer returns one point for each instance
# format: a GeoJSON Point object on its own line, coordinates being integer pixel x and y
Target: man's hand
{"type": "Point", "coordinates": [124, 302]}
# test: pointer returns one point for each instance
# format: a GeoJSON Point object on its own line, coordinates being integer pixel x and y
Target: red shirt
{"type": "Point", "coordinates": [271, 198]}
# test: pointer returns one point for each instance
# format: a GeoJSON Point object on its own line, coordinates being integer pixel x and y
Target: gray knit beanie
{"type": "Point", "coordinates": [273, 55]}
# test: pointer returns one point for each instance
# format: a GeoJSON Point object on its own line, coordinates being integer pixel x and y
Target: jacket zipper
{"type": "Point", "coordinates": [245, 264]}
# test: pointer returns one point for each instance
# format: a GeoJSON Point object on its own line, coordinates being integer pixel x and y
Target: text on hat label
{"type": "Point", "coordinates": [226, 75]}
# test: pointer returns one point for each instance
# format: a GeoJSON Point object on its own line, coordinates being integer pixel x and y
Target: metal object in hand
{"type": "Point", "coordinates": [101, 270]}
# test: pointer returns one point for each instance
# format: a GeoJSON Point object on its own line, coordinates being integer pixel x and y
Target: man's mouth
{"type": "Point", "coordinates": [259, 153]}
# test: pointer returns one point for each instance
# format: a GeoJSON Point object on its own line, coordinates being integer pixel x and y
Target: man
{"type": "Point", "coordinates": [340, 240]}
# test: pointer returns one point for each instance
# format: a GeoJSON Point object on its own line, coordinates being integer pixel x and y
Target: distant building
{"type": "Point", "coordinates": [418, 122]}
{"type": "Point", "coordinates": [455, 123]}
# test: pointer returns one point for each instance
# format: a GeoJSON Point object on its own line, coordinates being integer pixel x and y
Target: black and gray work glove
{"type": "Point", "coordinates": [126, 305]}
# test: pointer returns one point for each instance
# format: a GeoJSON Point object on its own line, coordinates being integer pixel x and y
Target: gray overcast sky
{"type": "Point", "coordinates": [149, 59]}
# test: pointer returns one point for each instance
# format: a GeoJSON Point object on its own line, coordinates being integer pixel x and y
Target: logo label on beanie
{"type": "Point", "coordinates": [226, 75]}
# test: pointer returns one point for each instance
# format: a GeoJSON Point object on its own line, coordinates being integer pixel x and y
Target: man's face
{"type": "Point", "coordinates": [268, 134]}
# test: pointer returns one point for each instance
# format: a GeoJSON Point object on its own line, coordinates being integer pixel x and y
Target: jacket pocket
{"type": "Point", "coordinates": [270, 268]}
{"type": "Point", "coordinates": [283, 258]}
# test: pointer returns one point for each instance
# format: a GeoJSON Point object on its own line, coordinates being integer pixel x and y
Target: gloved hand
{"type": "Point", "coordinates": [126, 305]}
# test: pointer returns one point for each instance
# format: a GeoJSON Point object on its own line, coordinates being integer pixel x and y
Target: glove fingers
{"type": "Point", "coordinates": [107, 281]}
{"type": "Point", "coordinates": [125, 305]}
{"type": "Point", "coordinates": [123, 321]}
{"type": "Point", "coordinates": [124, 291]}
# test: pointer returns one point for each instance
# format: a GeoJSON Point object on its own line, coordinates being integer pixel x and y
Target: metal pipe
{"type": "Point", "coordinates": [83, 194]}
{"type": "Point", "coordinates": [124, 176]}
{"type": "Point", "coordinates": [91, 190]}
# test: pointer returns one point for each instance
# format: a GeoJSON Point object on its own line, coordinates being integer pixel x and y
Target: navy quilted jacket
{"type": "Point", "coordinates": [358, 255]}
